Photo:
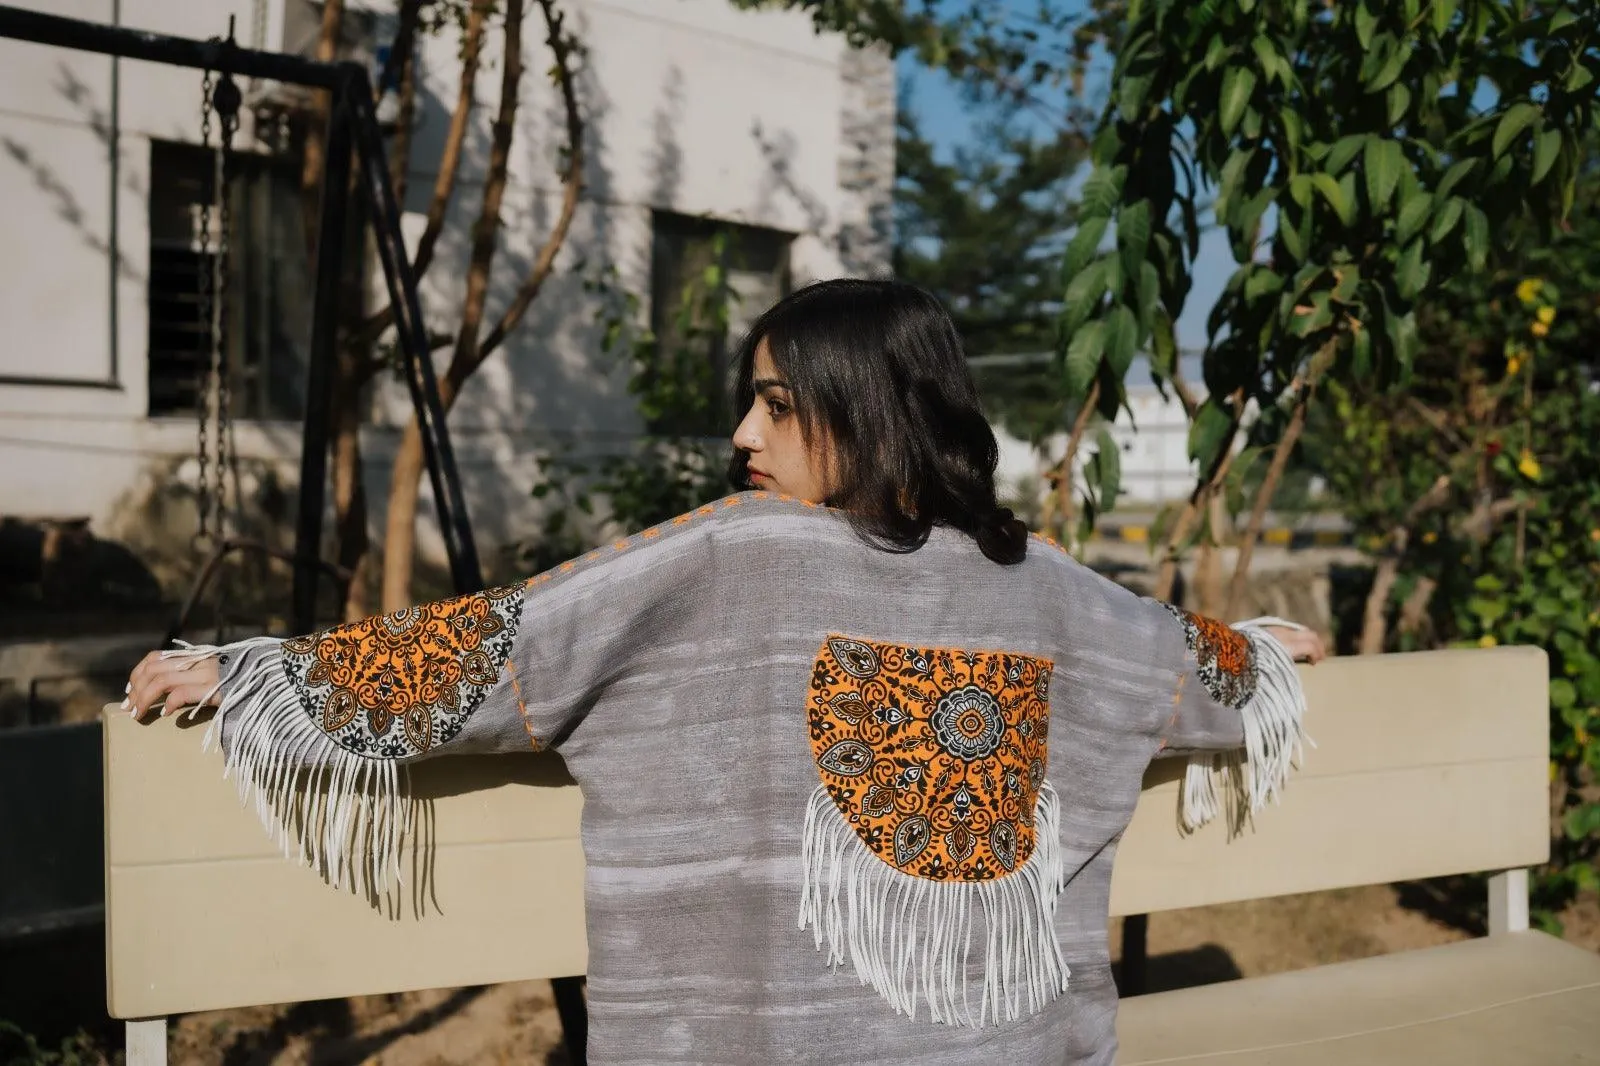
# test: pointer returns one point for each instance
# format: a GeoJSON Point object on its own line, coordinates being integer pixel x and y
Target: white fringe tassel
{"type": "Point", "coordinates": [1240, 784]}
{"type": "Point", "coordinates": [911, 938]}
{"type": "Point", "coordinates": [332, 810]}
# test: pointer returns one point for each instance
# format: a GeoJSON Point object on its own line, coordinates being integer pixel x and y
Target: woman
{"type": "Point", "coordinates": [860, 696]}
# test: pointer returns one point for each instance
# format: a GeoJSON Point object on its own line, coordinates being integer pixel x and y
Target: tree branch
{"type": "Point", "coordinates": [1264, 494]}
{"type": "Point", "coordinates": [562, 47]}
{"type": "Point", "coordinates": [1374, 622]}
{"type": "Point", "coordinates": [1167, 578]}
{"type": "Point", "coordinates": [1061, 475]}
{"type": "Point", "coordinates": [444, 182]}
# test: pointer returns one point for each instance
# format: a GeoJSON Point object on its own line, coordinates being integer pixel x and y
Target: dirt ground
{"type": "Point", "coordinates": [517, 1023]}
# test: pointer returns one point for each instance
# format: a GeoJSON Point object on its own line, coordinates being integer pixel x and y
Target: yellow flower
{"type": "Point", "coordinates": [1545, 314]}
{"type": "Point", "coordinates": [1539, 329]}
{"type": "Point", "coordinates": [1528, 289]}
{"type": "Point", "coordinates": [1513, 365]}
{"type": "Point", "coordinates": [1429, 537]}
{"type": "Point", "coordinates": [1581, 735]}
{"type": "Point", "coordinates": [1528, 466]}
{"type": "Point", "coordinates": [1594, 535]}
{"type": "Point", "coordinates": [1487, 641]}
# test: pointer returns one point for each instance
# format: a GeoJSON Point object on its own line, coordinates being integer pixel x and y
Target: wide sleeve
{"type": "Point", "coordinates": [1238, 712]}
{"type": "Point", "coordinates": [318, 731]}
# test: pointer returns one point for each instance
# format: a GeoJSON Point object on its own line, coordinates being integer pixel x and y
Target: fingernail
{"type": "Point", "coordinates": [133, 712]}
{"type": "Point", "coordinates": [127, 688]}
{"type": "Point", "coordinates": [126, 704]}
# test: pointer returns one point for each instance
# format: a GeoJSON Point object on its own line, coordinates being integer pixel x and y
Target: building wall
{"type": "Point", "coordinates": [693, 107]}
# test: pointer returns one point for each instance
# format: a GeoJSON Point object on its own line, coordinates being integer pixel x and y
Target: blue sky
{"type": "Point", "coordinates": [946, 121]}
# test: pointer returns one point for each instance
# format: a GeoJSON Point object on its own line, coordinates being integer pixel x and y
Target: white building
{"type": "Point", "coordinates": [695, 110]}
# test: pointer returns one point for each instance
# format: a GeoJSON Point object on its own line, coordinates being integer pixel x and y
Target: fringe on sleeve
{"type": "Point", "coordinates": [1240, 783]}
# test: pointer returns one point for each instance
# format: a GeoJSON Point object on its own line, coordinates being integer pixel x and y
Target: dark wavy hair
{"type": "Point", "coordinates": [877, 371]}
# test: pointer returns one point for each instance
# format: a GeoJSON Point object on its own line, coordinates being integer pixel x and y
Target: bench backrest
{"type": "Point", "coordinates": [1426, 764]}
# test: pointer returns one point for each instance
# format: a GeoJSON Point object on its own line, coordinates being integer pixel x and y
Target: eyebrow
{"type": "Point", "coordinates": [762, 384]}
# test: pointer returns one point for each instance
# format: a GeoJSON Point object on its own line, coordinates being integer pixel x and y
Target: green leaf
{"type": "Point", "coordinates": [1516, 119]}
{"type": "Point", "coordinates": [1577, 78]}
{"type": "Point", "coordinates": [1342, 205]}
{"type": "Point", "coordinates": [1083, 293]}
{"type": "Point", "coordinates": [1107, 462]}
{"type": "Point", "coordinates": [1390, 71]}
{"type": "Point", "coordinates": [1413, 214]}
{"type": "Point", "coordinates": [1445, 219]}
{"type": "Point", "coordinates": [1237, 85]}
{"type": "Point", "coordinates": [1344, 150]}
{"type": "Point", "coordinates": [1266, 56]}
{"type": "Point", "coordinates": [1561, 20]}
{"type": "Point", "coordinates": [1546, 147]}
{"type": "Point", "coordinates": [1148, 288]}
{"type": "Point", "coordinates": [1361, 353]}
{"type": "Point", "coordinates": [1102, 191]}
{"type": "Point", "coordinates": [1476, 236]}
{"type": "Point", "coordinates": [1318, 315]}
{"type": "Point", "coordinates": [1402, 331]}
{"type": "Point", "coordinates": [1217, 51]}
{"type": "Point", "coordinates": [1452, 177]}
{"type": "Point", "coordinates": [1399, 101]}
{"type": "Point", "coordinates": [1209, 432]}
{"type": "Point", "coordinates": [1121, 340]}
{"type": "Point", "coordinates": [1383, 162]}
{"type": "Point", "coordinates": [1083, 357]}
{"type": "Point", "coordinates": [1443, 12]}
{"type": "Point", "coordinates": [1366, 22]}
{"type": "Point", "coordinates": [1582, 822]}
{"type": "Point", "coordinates": [1163, 347]}
{"type": "Point", "coordinates": [1133, 234]}
{"type": "Point", "coordinates": [1263, 281]}
{"type": "Point", "coordinates": [1084, 246]}
{"type": "Point", "coordinates": [1295, 235]}
{"type": "Point", "coordinates": [1411, 273]}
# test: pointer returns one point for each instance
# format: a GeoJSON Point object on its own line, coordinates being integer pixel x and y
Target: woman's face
{"type": "Point", "coordinates": [780, 459]}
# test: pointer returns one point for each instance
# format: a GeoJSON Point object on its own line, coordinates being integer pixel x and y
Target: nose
{"type": "Point", "coordinates": [746, 437]}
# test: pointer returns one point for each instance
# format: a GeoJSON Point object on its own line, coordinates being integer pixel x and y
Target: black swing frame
{"type": "Point", "coordinates": [353, 138]}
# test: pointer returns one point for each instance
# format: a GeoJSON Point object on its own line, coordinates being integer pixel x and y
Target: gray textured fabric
{"type": "Point", "coordinates": [672, 674]}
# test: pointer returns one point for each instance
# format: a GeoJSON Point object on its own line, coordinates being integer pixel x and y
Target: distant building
{"type": "Point", "coordinates": [696, 111]}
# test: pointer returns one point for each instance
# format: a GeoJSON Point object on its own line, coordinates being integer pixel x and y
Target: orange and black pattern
{"type": "Point", "coordinates": [400, 684]}
{"type": "Point", "coordinates": [934, 755]}
{"type": "Point", "coordinates": [1224, 657]}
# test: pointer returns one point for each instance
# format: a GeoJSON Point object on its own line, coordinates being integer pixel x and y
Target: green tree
{"type": "Point", "coordinates": [1476, 491]}
{"type": "Point", "coordinates": [1355, 163]}
{"type": "Point", "coordinates": [985, 231]}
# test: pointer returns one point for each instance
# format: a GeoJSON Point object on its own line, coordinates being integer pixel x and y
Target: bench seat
{"type": "Point", "coordinates": [1520, 998]}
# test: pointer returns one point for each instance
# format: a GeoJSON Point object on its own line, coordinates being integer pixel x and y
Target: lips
{"type": "Point", "coordinates": [754, 473]}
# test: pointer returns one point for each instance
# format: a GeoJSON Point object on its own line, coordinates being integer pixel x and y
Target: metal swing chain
{"type": "Point", "coordinates": [202, 390]}
{"type": "Point", "coordinates": [227, 107]}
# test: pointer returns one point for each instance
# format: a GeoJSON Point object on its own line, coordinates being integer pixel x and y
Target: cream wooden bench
{"type": "Point", "coordinates": [1426, 765]}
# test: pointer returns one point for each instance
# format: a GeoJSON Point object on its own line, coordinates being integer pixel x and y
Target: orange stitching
{"type": "Point", "coordinates": [522, 707]}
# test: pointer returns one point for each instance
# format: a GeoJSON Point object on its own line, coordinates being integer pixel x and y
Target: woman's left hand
{"type": "Point", "coordinates": [1303, 644]}
{"type": "Point", "coordinates": [171, 684]}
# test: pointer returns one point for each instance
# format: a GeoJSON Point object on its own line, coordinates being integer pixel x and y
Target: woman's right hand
{"type": "Point", "coordinates": [173, 685]}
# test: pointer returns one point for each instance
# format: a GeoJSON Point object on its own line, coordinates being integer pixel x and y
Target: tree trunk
{"type": "Point", "coordinates": [405, 480]}
{"type": "Point", "coordinates": [1375, 616]}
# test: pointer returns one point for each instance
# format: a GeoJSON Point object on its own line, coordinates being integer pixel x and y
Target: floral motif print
{"type": "Point", "coordinates": [1225, 658]}
{"type": "Point", "coordinates": [935, 756]}
{"type": "Point", "coordinates": [400, 684]}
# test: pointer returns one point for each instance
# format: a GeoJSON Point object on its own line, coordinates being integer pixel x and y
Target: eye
{"type": "Point", "coordinates": [776, 408]}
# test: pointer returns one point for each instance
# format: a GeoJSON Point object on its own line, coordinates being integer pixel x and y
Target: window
{"type": "Point", "coordinates": [267, 321]}
{"type": "Point", "coordinates": [709, 280]}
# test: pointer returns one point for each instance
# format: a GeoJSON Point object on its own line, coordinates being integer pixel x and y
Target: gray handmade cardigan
{"type": "Point", "coordinates": [840, 804]}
